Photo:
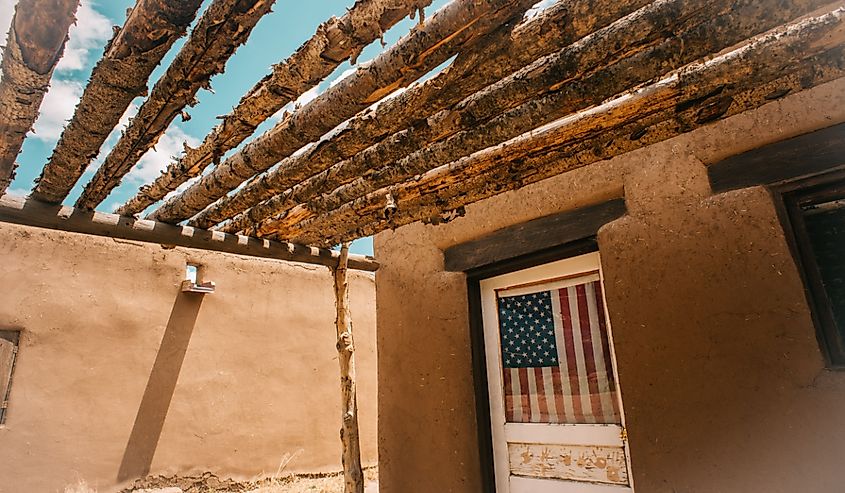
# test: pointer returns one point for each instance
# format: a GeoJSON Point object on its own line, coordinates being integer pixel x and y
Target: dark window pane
{"type": "Point", "coordinates": [825, 224]}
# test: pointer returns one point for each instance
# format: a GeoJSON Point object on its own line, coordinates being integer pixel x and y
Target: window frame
{"type": "Point", "coordinates": [12, 336]}
{"type": "Point", "coordinates": [789, 197]}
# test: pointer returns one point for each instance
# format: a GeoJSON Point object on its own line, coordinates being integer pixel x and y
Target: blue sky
{"type": "Point", "coordinates": [275, 37]}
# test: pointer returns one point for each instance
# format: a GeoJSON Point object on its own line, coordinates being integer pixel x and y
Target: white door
{"type": "Point", "coordinates": [556, 415]}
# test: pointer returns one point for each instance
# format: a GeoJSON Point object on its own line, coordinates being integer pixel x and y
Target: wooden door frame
{"type": "Point", "coordinates": [476, 328]}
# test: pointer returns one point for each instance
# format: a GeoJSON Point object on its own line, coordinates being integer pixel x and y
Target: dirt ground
{"type": "Point", "coordinates": [209, 483]}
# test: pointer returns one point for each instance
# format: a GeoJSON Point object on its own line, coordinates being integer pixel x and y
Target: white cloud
{"type": "Point", "coordinates": [346, 73]}
{"type": "Point", "coordinates": [56, 109]}
{"type": "Point", "coordinates": [181, 188]}
{"type": "Point", "coordinates": [7, 9]}
{"type": "Point", "coordinates": [156, 160]}
{"type": "Point", "coordinates": [539, 8]}
{"type": "Point", "coordinates": [18, 192]}
{"type": "Point", "coordinates": [88, 36]}
{"type": "Point", "coordinates": [113, 137]}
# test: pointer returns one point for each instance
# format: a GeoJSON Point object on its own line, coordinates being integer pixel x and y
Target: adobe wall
{"type": "Point", "coordinates": [119, 372]}
{"type": "Point", "coordinates": [721, 375]}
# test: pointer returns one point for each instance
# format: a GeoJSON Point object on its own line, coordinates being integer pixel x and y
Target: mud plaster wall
{"type": "Point", "coordinates": [112, 354]}
{"type": "Point", "coordinates": [722, 378]}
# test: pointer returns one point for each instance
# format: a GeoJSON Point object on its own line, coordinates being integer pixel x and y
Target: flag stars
{"type": "Point", "coordinates": [527, 330]}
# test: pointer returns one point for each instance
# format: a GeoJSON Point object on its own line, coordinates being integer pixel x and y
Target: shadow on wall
{"type": "Point", "coordinates": [152, 412]}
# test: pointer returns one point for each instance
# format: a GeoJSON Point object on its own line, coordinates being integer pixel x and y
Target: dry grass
{"type": "Point", "coordinates": [280, 482]}
{"type": "Point", "coordinates": [326, 484]}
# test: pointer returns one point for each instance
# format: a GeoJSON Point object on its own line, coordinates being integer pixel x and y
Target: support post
{"type": "Point", "coordinates": [353, 476]}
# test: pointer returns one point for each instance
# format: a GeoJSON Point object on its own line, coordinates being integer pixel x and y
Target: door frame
{"type": "Point", "coordinates": [479, 355]}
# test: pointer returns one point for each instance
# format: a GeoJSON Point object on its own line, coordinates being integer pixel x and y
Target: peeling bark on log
{"type": "Point", "coordinates": [501, 53]}
{"type": "Point", "coordinates": [119, 77]}
{"type": "Point", "coordinates": [220, 31]}
{"type": "Point", "coordinates": [804, 55]}
{"type": "Point", "coordinates": [651, 42]}
{"type": "Point", "coordinates": [353, 476]}
{"type": "Point", "coordinates": [335, 41]}
{"type": "Point", "coordinates": [455, 26]}
{"type": "Point", "coordinates": [37, 38]}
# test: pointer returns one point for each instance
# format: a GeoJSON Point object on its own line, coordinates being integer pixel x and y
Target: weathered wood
{"type": "Point", "coordinates": [647, 44]}
{"type": "Point", "coordinates": [449, 30]}
{"type": "Point", "coordinates": [41, 215]}
{"type": "Point", "coordinates": [501, 53]}
{"type": "Point", "coordinates": [120, 76]}
{"type": "Point", "coordinates": [807, 154]}
{"type": "Point", "coordinates": [36, 41]}
{"type": "Point", "coordinates": [223, 27]}
{"type": "Point", "coordinates": [532, 236]}
{"type": "Point", "coordinates": [798, 57]}
{"type": "Point", "coordinates": [583, 463]}
{"type": "Point", "coordinates": [8, 350]}
{"type": "Point", "coordinates": [335, 41]}
{"type": "Point", "coordinates": [353, 476]}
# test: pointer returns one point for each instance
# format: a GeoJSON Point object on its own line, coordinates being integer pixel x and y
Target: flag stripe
{"type": "Point", "coordinates": [602, 371]}
{"type": "Point", "coordinates": [556, 356]}
{"type": "Point", "coordinates": [590, 365]}
{"type": "Point", "coordinates": [508, 387]}
{"type": "Point", "coordinates": [570, 361]}
{"type": "Point", "coordinates": [525, 405]}
{"type": "Point", "coordinates": [562, 382]}
{"type": "Point", "coordinates": [580, 363]}
{"type": "Point", "coordinates": [542, 405]}
{"type": "Point", "coordinates": [534, 413]}
{"type": "Point", "coordinates": [550, 396]}
{"type": "Point", "coordinates": [605, 343]}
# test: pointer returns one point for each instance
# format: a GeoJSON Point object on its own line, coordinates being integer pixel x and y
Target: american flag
{"type": "Point", "coordinates": [556, 355]}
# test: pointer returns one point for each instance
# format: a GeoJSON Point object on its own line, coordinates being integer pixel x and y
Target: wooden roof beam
{"type": "Point", "coordinates": [645, 45]}
{"type": "Point", "coordinates": [448, 31]}
{"type": "Point", "coordinates": [501, 53]}
{"type": "Point", "coordinates": [30, 212]}
{"type": "Point", "coordinates": [120, 76]}
{"type": "Point", "coordinates": [223, 27]}
{"type": "Point", "coordinates": [335, 41]}
{"type": "Point", "coordinates": [35, 44]}
{"type": "Point", "coordinates": [803, 55]}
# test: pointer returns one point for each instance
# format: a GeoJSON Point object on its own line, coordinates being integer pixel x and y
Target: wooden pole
{"type": "Point", "coordinates": [661, 37]}
{"type": "Point", "coordinates": [502, 52]}
{"type": "Point", "coordinates": [120, 76]}
{"type": "Point", "coordinates": [222, 28]}
{"type": "Point", "coordinates": [445, 34]}
{"type": "Point", "coordinates": [353, 476]}
{"type": "Point", "coordinates": [36, 42]}
{"type": "Point", "coordinates": [335, 41]}
{"type": "Point", "coordinates": [808, 53]}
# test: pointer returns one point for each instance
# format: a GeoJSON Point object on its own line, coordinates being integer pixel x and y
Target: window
{"type": "Point", "coordinates": [815, 218]}
{"type": "Point", "coordinates": [8, 351]}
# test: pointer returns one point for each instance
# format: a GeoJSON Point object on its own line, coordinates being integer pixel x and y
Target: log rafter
{"type": "Point", "coordinates": [221, 29]}
{"type": "Point", "coordinates": [798, 57]}
{"type": "Point", "coordinates": [647, 44]}
{"type": "Point", "coordinates": [449, 30]}
{"type": "Point", "coordinates": [501, 53]}
{"type": "Point", "coordinates": [336, 40]}
{"type": "Point", "coordinates": [120, 76]}
{"type": "Point", "coordinates": [37, 38]}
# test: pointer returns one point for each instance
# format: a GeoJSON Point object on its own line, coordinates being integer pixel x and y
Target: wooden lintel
{"type": "Point", "coordinates": [30, 212]}
{"type": "Point", "coordinates": [806, 154]}
{"type": "Point", "coordinates": [533, 236]}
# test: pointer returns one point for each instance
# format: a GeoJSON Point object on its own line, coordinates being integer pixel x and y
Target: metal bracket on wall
{"type": "Point", "coordinates": [206, 287]}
